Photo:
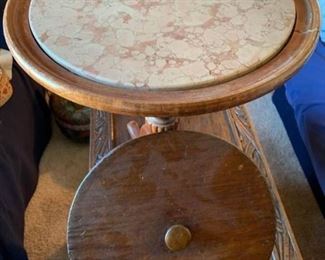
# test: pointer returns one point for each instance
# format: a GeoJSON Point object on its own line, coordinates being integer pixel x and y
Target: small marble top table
{"type": "Point", "coordinates": [159, 46]}
{"type": "Point", "coordinates": [161, 58]}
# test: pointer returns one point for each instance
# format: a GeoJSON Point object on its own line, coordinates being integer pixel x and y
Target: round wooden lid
{"type": "Point", "coordinates": [173, 195]}
{"type": "Point", "coordinates": [166, 44]}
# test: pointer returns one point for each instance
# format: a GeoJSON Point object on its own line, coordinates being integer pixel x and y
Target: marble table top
{"type": "Point", "coordinates": [161, 44]}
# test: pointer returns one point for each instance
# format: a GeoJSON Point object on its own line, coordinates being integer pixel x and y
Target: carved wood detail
{"type": "Point", "coordinates": [100, 140]}
{"type": "Point", "coordinates": [286, 247]}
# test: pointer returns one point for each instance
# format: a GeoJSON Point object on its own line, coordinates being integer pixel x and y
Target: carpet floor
{"type": "Point", "coordinates": [63, 166]}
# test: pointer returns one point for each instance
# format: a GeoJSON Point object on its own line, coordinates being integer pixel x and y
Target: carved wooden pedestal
{"type": "Point", "coordinates": [108, 131]}
{"type": "Point", "coordinates": [152, 125]}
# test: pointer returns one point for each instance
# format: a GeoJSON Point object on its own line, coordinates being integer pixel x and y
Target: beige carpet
{"type": "Point", "coordinates": [63, 166]}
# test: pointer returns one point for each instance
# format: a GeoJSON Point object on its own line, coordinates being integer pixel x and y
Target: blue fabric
{"type": "Point", "coordinates": [322, 10]}
{"type": "Point", "coordinates": [288, 117]}
{"type": "Point", "coordinates": [306, 94]}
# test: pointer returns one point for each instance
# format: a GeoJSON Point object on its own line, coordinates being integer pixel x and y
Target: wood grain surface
{"type": "Point", "coordinates": [129, 200]}
{"type": "Point", "coordinates": [232, 125]}
{"type": "Point", "coordinates": [161, 103]}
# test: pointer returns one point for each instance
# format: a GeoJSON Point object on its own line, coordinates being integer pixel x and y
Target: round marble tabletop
{"type": "Point", "coordinates": [161, 44]}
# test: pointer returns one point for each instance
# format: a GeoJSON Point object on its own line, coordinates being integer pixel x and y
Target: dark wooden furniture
{"type": "Point", "coordinates": [233, 125]}
{"type": "Point", "coordinates": [127, 203]}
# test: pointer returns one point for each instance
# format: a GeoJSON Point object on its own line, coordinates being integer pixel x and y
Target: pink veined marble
{"type": "Point", "coordinates": [161, 44]}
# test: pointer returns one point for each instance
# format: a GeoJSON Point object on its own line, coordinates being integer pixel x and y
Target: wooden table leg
{"type": "Point", "coordinates": [152, 125]}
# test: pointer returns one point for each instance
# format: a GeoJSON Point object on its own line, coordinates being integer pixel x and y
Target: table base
{"type": "Point", "coordinates": [152, 125]}
{"type": "Point", "coordinates": [233, 125]}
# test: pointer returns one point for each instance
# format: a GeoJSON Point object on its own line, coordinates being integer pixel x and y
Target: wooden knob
{"type": "Point", "coordinates": [177, 237]}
